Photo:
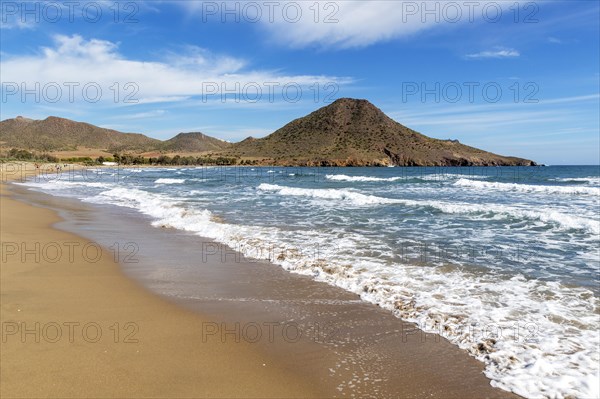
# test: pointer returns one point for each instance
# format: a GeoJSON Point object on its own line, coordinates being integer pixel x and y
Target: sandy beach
{"type": "Point", "coordinates": [57, 339]}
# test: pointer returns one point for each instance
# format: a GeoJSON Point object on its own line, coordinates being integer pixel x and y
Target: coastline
{"type": "Point", "coordinates": [438, 370]}
{"type": "Point", "coordinates": [160, 354]}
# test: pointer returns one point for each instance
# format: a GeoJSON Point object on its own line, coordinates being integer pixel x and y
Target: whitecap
{"type": "Point", "coordinates": [169, 181]}
{"type": "Point", "coordinates": [527, 188]}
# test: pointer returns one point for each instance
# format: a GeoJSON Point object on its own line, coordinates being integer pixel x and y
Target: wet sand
{"type": "Point", "coordinates": [267, 328]}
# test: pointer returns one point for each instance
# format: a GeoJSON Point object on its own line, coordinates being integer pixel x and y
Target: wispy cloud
{"type": "Point", "coordinates": [485, 120]}
{"type": "Point", "coordinates": [431, 113]}
{"type": "Point", "coordinates": [562, 100]}
{"type": "Point", "coordinates": [164, 99]}
{"type": "Point", "coordinates": [17, 24]}
{"type": "Point", "coordinates": [143, 115]}
{"type": "Point", "coordinates": [440, 114]}
{"type": "Point", "coordinates": [495, 53]}
{"type": "Point", "coordinates": [346, 24]}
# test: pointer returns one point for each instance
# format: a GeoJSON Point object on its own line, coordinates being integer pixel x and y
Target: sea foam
{"type": "Point", "coordinates": [361, 178]}
{"type": "Point", "coordinates": [527, 188]}
{"type": "Point", "coordinates": [351, 197]}
{"type": "Point", "coordinates": [169, 181]}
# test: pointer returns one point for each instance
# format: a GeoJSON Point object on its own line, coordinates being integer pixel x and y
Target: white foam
{"type": "Point", "coordinates": [449, 176]}
{"type": "Point", "coordinates": [351, 197]}
{"type": "Point", "coordinates": [527, 188]}
{"type": "Point", "coordinates": [169, 181]}
{"type": "Point", "coordinates": [429, 177]}
{"type": "Point", "coordinates": [360, 178]}
{"type": "Point", "coordinates": [62, 185]}
{"type": "Point", "coordinates": [595, 180]}
{"type": "Point", "coordinates": [561, 220]}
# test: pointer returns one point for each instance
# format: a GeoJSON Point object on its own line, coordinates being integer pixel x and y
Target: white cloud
{"type": "Point", "coordinates": [164, 99]}
{"type": "Point", "coordinates": [194, 72]}
{"type": "Point", "coordinates": [348, 23]}
{"type": "Point", "coordinates": [561, 100]}
{"type": "Point", "coordinates": [143, 115]}
{"type": "Point", "coordinates": [17, 23]}
{"type": "Point", "coordinates": [496, 53]}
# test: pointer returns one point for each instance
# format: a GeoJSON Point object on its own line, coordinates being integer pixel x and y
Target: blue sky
{"type": "Point", "coordinates": [516, 78]}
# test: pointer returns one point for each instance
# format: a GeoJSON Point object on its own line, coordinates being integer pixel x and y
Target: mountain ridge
{"type": "Point", "coordinates": [194, 142]}
{"type": "Point", "coordinates": [347, 132]}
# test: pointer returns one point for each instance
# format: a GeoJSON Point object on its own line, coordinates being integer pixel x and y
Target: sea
{"type": "Point", "coordinates": [503, 262]}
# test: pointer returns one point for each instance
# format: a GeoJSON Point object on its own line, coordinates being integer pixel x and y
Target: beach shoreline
{"type": "Point", "coordinates": [423, 368]}
{"type": "Point", "coordinates": [80, 328]}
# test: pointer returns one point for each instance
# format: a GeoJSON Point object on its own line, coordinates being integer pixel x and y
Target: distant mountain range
{"type": "Point", "coordinates": [59, 134]}
{"type": "Point", "coordinates": [348, 132]}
